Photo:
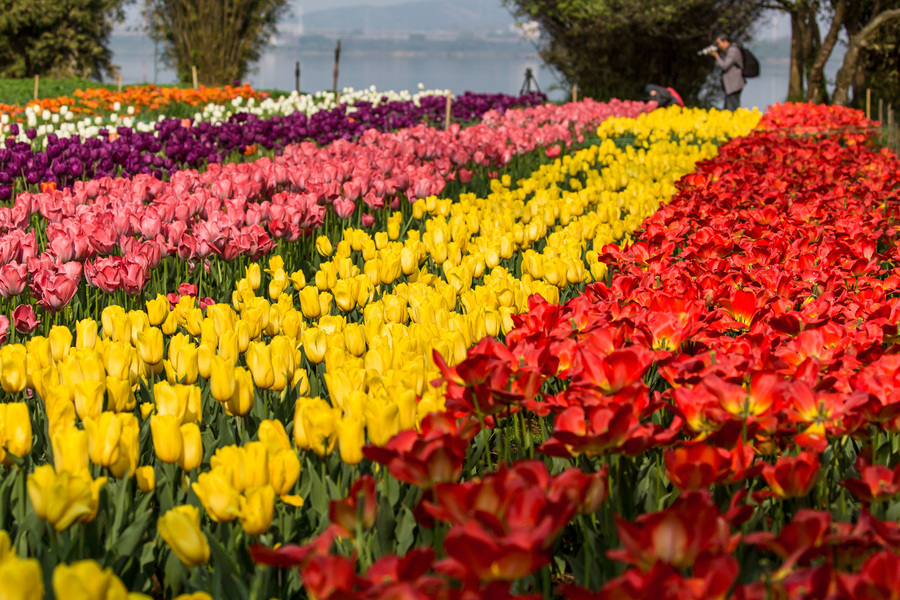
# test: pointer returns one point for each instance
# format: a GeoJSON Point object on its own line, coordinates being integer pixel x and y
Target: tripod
{"type": "Point", "coordinates": [526, 85]}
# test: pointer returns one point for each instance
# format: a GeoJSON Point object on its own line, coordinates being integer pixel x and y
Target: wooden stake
{"type": "Point", "coordinates": [575, 93]}
{"type": "Point", "coordinates": [881, 110]}
{"type": "Point", "coordinates": [120, 84]}
{"type": "Point", "coordinates": [194, 74]}
{"type": "Point", "coordinates": [448, 111]}
{"type": "Point", "coordinates": [36, 78]}
{"type": "Point", "coordinates": [297, 76]}
{"type": "Point", "coordinates": [868, 104]}
{"type": "Point", "coordinates": [337, 60]}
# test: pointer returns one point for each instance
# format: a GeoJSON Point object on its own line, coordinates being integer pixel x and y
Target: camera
{"type": "Point", "coordinates": [708, 50]}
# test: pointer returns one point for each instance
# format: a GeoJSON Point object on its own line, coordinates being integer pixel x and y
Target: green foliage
{"type": "Point", "coordinates": [612, 48]}
{"type": "Point", "coordinates": [55, 38]}
{"type": "Point", "coordinates": [222, 38]}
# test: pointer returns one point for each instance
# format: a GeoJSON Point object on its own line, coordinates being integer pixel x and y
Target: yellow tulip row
{"type": "Point", "coordinates": [369, 318]}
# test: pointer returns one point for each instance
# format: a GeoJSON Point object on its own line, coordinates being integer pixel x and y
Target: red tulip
{"type": "Point", "coordinates": [793, 476]}
{"type": "Point", "coordinates": [24, 319]}
{"type": "Point", "coordinates": [359, 508]}
{"type": "Point", "coordinates": [13, 277]}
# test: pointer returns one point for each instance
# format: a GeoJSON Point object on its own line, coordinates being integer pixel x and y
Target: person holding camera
{"type": "Point", "coordinates": [731, 61]}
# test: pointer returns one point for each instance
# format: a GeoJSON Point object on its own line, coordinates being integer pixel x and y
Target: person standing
{"type": "Point", "coordinates": [730, 60]}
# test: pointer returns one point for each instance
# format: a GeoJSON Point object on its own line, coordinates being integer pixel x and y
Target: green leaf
{"type": "Point", "coordinates": [405, 527]}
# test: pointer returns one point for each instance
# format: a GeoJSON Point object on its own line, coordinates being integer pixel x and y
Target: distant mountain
{"type": "Point", "coordinates": [432, 15]}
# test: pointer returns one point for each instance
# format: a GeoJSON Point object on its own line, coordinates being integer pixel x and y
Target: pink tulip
{"type": "Point", "coordinates": [13, 277]}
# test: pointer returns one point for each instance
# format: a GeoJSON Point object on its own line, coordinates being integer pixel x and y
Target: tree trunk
{"type": "Point", "coordinates": [851, 59]}
{"type": "Point", "coordinates": [815, 90]}
{"type": "Point", "coordinates": [795, 83]}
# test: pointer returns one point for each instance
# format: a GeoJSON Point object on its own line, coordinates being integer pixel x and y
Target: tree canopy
{"type": "Point", "coordinates": [612, 48]}
{"type": "Point", "coordinates": [57, 38]}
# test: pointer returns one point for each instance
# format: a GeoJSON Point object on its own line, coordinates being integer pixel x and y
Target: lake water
{"type": "Point", "coordinates": [135, 56]}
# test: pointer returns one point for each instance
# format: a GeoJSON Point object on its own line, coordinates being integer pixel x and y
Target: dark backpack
{"type": "Point", "coordinates": [751, 64]}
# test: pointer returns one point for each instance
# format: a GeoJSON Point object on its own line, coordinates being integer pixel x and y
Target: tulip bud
{"type": "Point", "coordinates": [167, 441]}
{"type": "Point", "coordinates": [146, 479]}
{"type": "Point", "coordinates": [129, 447]}
{"type": "Point", "coordinates": [298, 280]}
{"type": "Point", "coordinates": [180, 529]}
{"type": "Point", "coordinates": [192, 453]}
{"type": "Point", "coordinates": [60, 338]}
{"type": "Point", "coordinates": [382, 421]}
{"type": "Point", "coordinates": [300, 382]}
{"type": "Point", "coordinates": [273, 436]}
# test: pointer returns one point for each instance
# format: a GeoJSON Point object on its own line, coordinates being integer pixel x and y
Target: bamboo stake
{"type": "Point", "coordinates": [36, 78]}
{"type": "Point", "coordinates": [575, 92]}
{"type": "Point", "coordinates": [120, 84]}
{"type": "Point", "coordinates": [297, 76]}
{"type": "Point", "coordinates": [447, 113]}
{"type": "Point", "coordinates": [194, 74]}
{"type": "Point", "coordinates": [868, 104]}
{"type": "Point", "coordinates": [337, 60]}
{"type": "Point", "coordinates": [881, 110]}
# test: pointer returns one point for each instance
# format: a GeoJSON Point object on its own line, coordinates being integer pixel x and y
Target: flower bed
{"type": "Point", "coordinates": [160, 436]}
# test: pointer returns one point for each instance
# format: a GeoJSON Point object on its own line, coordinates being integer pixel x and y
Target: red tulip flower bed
{"type": "Point", "coordinates": [719, 419]}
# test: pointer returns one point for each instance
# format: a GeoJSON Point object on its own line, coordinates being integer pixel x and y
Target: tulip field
{"type": "Point", "coordinates": [332, 348]}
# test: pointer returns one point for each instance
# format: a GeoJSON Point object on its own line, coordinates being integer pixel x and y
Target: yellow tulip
{"type": "Point", "coordinates": [146, 478]}
{"type": "Point", "coordinates": [129, 446]}
{"type": "Point", "coordinates": [323, 246]}
{"type": "Point", "coordinates": [219, 498]}
{"type": "Point", "coordinates": [221, 378]}
{"type": "Point", "coordinates": [300, 382]}
{"type": "Point", "coordinates": [70, 451]}
{"type": "Point", "coordinates": [86, 333]}
{"type": "Point", "coordinates": [59, 498]}
{"type": "Point", "coordinates": [16, 428]}
{"type": "Point", "coordinates": [345, 295]}
{"type": "Point", "coordinates": [382, 421]}
{"type": "Point", "coordinates": [273, 436]}
{"type": "Point", "coordinates": [257, 508]}
{"type": "Point", "coordinates": [104, 433]}
{"type": "Point", "coordinates": [315, 343]}
{"type": "Point", "coordinates": [13, 374]}
{"type": "Point", "coordinates": [117, 359]}
{"type": "Point", "coordinates": [150, 345]}
{"type": "Point", "coordinates": [409, 263]}
{"type": "Point", "coordinates": [180, 529]}
{"type": "Point", "coordinates": [315, 427]}
{"type": "Point", "coordinates": [253, 275]}
{"type": "Point", "coordinates": [158, 310]}
{"type": "Point", "coordinates": [284, 470]}
{"type": "Point", "coordinates": [260, 363]}
{"type": "Point", "coordinates": [351, 439]}
{"type": "Point", "coordinates": [241, 402]}
{"type": "Point", "coordinates": [21, 579]}
{"type": "Point", "coordinates": [309, 302]}
{"type": "Point", "coordinates": [183, 367]}
{"type": "Point", "coordinates": [60, 339]}
{"type": "Point", "coordinates": [120, 394]}
{"type": "Point", "coordinates": [167, 441]}
{"type": "Point", "coordinates": [86, 580]}
{"type": "Point", "coordinates": [192, 452]}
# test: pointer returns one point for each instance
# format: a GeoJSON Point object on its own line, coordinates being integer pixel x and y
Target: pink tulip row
{"type": "Point", "coordinates": [119, 229]}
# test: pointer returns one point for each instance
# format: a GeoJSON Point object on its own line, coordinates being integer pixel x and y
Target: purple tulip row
{"type": "Point", "coordinates": [177, 144]}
